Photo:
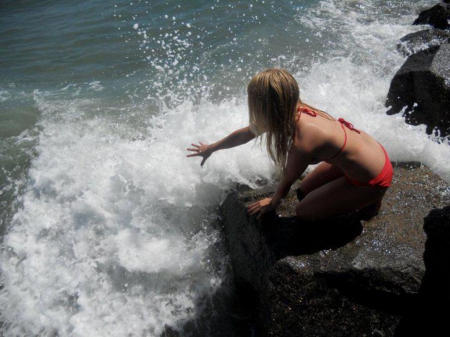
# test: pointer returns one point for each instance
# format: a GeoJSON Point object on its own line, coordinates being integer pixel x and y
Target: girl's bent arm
{"type": "Point", "coordinates": [297, 163]}
{"type": "Point", "coordinates": [234, 139]}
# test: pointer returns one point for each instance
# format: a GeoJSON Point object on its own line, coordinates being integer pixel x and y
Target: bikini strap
{"type": "Point", "coordinates": [343, 146]}
{"type": "Point", "coordinates": [348, 125]}
{"type": "Point", "coordinates": [308, 111]}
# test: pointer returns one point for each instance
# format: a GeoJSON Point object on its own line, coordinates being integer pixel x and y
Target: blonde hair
{"type": "Point", "coordinates": [273, 97]}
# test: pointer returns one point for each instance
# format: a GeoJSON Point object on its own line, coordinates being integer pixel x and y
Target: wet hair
{"type": "Point", "coordinates": [273, 97]}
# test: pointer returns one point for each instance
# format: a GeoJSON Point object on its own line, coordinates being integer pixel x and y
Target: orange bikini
{"type": "Point", "coordinates": [383, 179]}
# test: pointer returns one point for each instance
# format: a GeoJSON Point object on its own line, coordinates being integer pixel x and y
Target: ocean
{"type": "Point", "coordinates": [106, 228]}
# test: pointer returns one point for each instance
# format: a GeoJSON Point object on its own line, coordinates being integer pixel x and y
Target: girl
{"type": "Point", "coordinates": [354, 171]}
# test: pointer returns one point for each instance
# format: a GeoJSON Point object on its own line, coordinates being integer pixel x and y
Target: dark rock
{"type": "Point", "coordinates": [428, 315]}
{"type": "Point", "coordinates": [415, 42]}
{"type": "Point", "coordinates": [422, 85]}
{"type": "Point", "coordinates": [437, 16]}
{"type": "Point", "coordinates": [345, 276]}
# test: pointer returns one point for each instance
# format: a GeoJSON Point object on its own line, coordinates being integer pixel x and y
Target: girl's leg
{"type": "Point", "coordinates": [321, 175]}
{"type": "Point", "coordinates": [336, 197]}
{"type": "Point", "coordinates": [371, 210]}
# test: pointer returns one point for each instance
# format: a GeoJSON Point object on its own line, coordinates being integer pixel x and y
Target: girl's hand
{"type": "Point", "coordinates": [201, 150]}
{"type": "Point", "coordinates": [261, 207]}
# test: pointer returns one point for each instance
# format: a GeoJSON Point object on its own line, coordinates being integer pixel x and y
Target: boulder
{"type": "Point", "coordinates": [437, 16]}
{"type": "Point", "coordinates": [346, 276]}
{"type": "Point", "coordinates": [421, 90]}
{"type": "Point", "coordinates": [415, 42]}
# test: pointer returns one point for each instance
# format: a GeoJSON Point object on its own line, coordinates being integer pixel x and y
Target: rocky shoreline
{"type": "Point", "coordinates": [349, 276]}
{"type": "Point", "coordinates": [346, 276]}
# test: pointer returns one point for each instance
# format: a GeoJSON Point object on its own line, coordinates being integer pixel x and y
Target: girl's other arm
{"type": "Point", "coordinates": [297, 163]}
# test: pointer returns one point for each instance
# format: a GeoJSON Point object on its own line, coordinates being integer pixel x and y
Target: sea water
{"type": "Point", "coordinates": [107, 229]}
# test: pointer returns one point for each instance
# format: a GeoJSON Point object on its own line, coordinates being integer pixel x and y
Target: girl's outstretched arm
{"type": "Point", "coordinates": [234, 139]}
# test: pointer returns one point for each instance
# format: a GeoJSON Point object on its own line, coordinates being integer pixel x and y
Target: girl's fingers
{"type": "Point", "coordinates": [257, 203]}
{"type": "Point", "coordinates": [253, 209]}
{"type": "Point", "coordinates": [253, 205]}
{"type": "Point", "coordinates": [253, 212]}
{"type": "Point", "coordinates": [257, 209]}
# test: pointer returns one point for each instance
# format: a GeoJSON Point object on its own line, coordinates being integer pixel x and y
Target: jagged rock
{"type": "Point", "coordinates": [422, 85]}
{"type": "Point", "coordinates": [437, 16]}
{"type": "Point", "coordinates": [346, 276]}
{"type": "Point", "coordinates": [415, 42]}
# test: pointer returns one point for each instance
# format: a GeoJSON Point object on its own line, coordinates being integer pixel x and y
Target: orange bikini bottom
{"type": "Point", "coordinates": [384, 179]}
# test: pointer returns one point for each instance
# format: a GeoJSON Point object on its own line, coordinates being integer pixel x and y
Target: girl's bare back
{"type": "Point", "coordinates": [362, 157]}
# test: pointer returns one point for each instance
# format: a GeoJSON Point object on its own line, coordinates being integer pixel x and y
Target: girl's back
{"type": "Point", "coordinates": [325, 139]}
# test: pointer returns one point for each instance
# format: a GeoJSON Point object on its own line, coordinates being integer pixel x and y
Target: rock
{"type": "Point", "coordinates": [345, 276]}
{"type": "Point", "coordinates": [422, 85]}
{"type": "Point", "coordinates": [431, 307]}
{"type": "Point", "coordinates": [437, 16]}
{"type": "Point", "coordinates": [415, 42]}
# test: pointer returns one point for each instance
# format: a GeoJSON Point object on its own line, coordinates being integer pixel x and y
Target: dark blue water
{"type": "Point", "coordinates": [107, 228]}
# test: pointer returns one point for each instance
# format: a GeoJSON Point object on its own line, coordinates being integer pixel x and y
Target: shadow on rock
{"type": "Point", "coordinates": [288, 236]}
{"type": "Point", "coordinates": [429, 314]}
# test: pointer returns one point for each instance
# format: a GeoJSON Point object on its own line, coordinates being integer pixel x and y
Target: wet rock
{"type": "Point", "coordinates": [421, 90]}
{"type": "Point", "coordinates": [415, 42]}
{"type": "Point", "coordinates": [345, 276]}
{"type": "Point", "coordinates": [437, 16]}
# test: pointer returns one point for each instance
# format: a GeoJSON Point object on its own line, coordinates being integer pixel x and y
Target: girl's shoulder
{"type": "Point", "coordinates": [319, 137]}
{"type": "Point", "coordinates": [309, 135]}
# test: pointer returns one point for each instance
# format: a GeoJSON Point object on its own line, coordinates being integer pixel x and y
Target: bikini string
{"type": "Point", "coordinates": [348, 125]}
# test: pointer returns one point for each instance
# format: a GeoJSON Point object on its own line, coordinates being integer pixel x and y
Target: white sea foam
{"type": "Point", "coordinates": [95, 85]}
{"type": "Point", "coordinates": [4, 95]}
{"type": "Point", "coordinates": [108, 241]}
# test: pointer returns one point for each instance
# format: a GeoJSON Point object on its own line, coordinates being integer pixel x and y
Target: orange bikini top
{"type": "Point", "coordinates": [343, 122]}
